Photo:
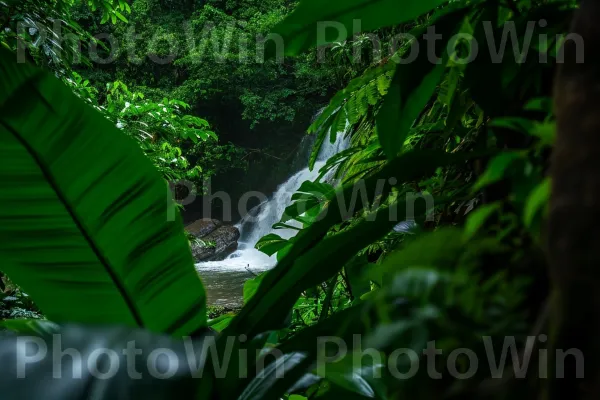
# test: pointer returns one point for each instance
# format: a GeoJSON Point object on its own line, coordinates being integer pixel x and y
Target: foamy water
{"type": "Point", "coordinates": [246, 261]}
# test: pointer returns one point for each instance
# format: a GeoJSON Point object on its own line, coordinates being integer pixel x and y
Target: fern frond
{"type": "Point", "coordinates": [379, 76]}
{"type": "Point", "coordinates": [372, 93]}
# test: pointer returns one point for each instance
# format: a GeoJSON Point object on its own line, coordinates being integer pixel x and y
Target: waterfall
{"type": "Point", "coordinates": [258, 222]}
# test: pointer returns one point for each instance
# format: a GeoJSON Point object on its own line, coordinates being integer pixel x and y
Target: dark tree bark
{"type": "Point", "coordinates": [574, 220]}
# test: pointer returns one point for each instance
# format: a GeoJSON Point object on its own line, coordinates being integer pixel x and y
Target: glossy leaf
{"type": "Point", "coordinates": [87, 226]}
{"type": "Point", "coordinates": [271, 244]}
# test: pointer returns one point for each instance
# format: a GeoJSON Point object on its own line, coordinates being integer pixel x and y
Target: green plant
{"type": "Point", "coordinates": [467, 272]}
{"type": "Point", "coordinates": [86, 212]}
{"type": "Point", "coordinates": [37, 28]}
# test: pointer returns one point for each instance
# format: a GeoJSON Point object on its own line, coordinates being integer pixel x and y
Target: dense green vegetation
{"type": "Point", "coordinates": [210, 57]}
{"type": "Point", "coordinates": [90, 233]}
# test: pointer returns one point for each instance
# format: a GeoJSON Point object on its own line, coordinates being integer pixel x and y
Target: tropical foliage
{"type": "Point", "coordinates": [433, 232]}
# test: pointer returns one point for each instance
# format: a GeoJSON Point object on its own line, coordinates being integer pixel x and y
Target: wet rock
{"type": "Point", "coordinates": [217, 244]}
{"type": "Point", "coordinates": [203, 227]}
{"type": "Point", "coordinates": [225, 253]}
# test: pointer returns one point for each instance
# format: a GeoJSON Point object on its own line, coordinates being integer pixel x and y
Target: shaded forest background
{"type": "Point", "coordinates": [258, 108]}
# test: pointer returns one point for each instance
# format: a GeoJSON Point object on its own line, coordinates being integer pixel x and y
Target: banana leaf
{"type": "Point", "coordinates": [87, 224]}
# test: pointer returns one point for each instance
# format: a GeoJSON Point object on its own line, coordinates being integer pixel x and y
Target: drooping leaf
{"type": "Point", "coordinates": [89, 231]}
{"type": "Point", "coordinates": [412, 87]}
{"type": "Point", "coordinates": [220, 323]}
{"type": "Point", "coordinates": [283, 252]}
{"type": "Point", "coordinates": [271, 244]}
{"type": "Point", "coordinates": [251, 286]}
{"type": "Point", "coordinates": [105, 18]}
{"type": "Point", "coordinates": [314, 23]}
{"type": "Point", "coordinates": [30, 326]}
{"type": "Point", "coordinates": [281, 225]}
{"type": "Point", "coordinates": [120, 16]}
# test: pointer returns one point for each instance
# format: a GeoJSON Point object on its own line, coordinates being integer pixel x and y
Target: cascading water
{"type": "Point", "coordinates": [219, 276]}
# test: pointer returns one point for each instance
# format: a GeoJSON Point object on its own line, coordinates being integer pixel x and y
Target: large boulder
{"type": "Point", "coordinates": [217, 244]}
{"type": "Point", "coordinates": [203, 227]}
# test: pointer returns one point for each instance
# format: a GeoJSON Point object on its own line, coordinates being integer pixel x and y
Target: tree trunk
{"type": "Point", "coordinates": [574, 220]}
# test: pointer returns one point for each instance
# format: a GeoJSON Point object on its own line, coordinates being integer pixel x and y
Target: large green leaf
{"type": "Point", "coordinates": [413, 85]}
{"type": "Point", "coordinates": [271, 244]}
{"type": "Point", "coordinates": [85, 223]}
{"type": "Point", "coordinates": [251, 286]}
{"type": "Point", "coordinates": [310, 23]}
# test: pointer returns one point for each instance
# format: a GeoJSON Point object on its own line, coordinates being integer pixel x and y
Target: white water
{"type": "Point", "coordinates": [258, 222]}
